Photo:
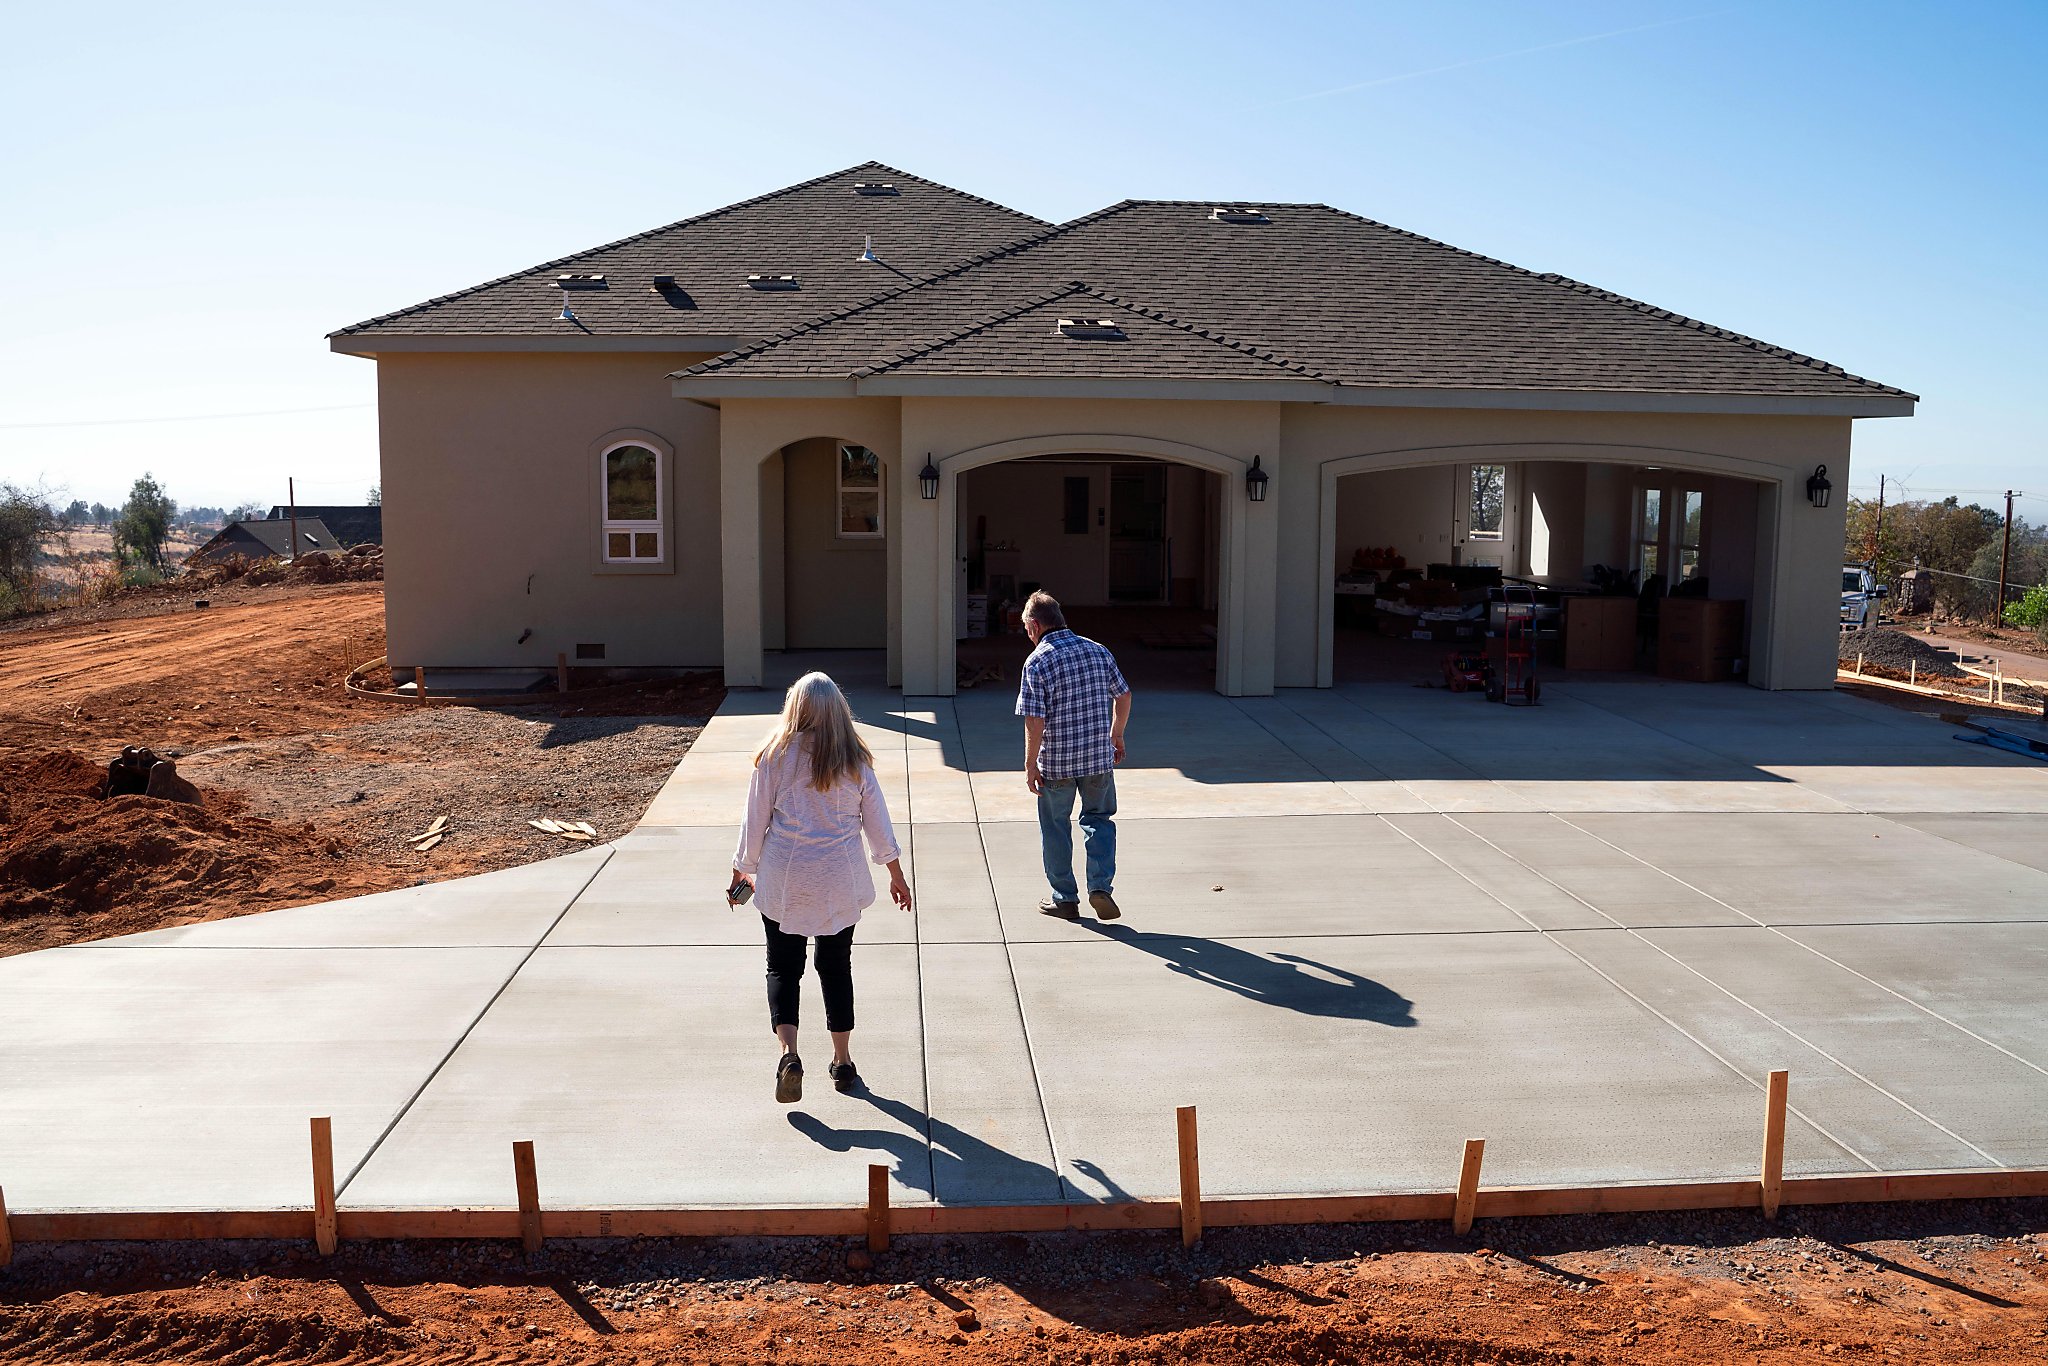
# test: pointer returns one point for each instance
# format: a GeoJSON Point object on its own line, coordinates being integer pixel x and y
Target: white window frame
{"type": "Point", "coordinates": [840, 490]}
{"type": "Point", "coordinates": [1469, 491]}
{"type": "Point", "coordinates": [632, 528]}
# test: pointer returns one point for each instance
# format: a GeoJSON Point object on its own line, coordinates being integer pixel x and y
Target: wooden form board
{"type": "Point", "coordinates": [852, 1222]}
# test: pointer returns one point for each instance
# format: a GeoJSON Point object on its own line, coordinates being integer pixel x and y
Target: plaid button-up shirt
{"type": "Point", "coordinates": [1073, 683]}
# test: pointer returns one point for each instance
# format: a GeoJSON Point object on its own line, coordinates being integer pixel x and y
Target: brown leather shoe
{"type": "Point", "coordinates": [1104, 905]}
{"type": "Point", "coordinates": [1060, 910]}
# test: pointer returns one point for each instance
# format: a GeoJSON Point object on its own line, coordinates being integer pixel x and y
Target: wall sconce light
{"type": "Point", "coordinates": [928, 479]}
{"type": "Point", "coordinates": [1255, 482]}
{"type": "Point", "coordinates": [1818, 488]}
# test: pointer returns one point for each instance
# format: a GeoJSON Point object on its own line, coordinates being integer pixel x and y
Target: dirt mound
{"type": "Point", "coordinates": [364, 563]}
{"type": "Point", "coordinates": [1883, 649]}
{"type": "Point", "coordinates": [134, 863]}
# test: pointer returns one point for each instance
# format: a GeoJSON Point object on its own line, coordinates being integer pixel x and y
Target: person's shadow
{"type": "Point", "coordinates": [954, 1166]}
{"type": "Point", "coordinates": [1286, 980]}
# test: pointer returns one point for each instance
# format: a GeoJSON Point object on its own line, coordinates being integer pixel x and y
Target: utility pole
{"type": "Point", "coordinates": [2004, 556]}
{"type": "Point", "coordinates": [1877, 532]}
{"type": "Point", "coordinates": [291, 498]}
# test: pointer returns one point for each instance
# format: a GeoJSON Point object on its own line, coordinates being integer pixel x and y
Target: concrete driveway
{"type": "Point", "coordinates": [1361, 926]}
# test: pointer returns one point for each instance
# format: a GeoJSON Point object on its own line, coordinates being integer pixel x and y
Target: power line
{"type": "Point", "coordinates": [190, 417]}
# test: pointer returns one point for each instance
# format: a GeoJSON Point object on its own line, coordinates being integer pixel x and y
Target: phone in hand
{"type": "Point", "coordinates": [740, 893]}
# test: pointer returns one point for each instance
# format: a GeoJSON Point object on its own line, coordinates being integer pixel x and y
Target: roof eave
{"type": "Point", "coordinates": [1628, 401]}
{"type": "Point", "coordinates": [579, 343]}
{"type": "Point", "coordinates": [1075, 386]}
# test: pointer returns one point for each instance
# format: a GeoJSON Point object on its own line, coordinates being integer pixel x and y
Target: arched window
{"type": "Point", "coordinates": [635, 503]}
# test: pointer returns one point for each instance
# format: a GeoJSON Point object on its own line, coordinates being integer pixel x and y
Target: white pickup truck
{"type": "Point", "coordinates": [1861, 593]}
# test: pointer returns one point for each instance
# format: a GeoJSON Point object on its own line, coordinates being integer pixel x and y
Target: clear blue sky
{"type": "Point", "coordinates": [195, 195]}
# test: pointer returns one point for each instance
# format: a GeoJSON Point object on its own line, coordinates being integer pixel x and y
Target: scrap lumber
{"type": "Point", "coordinates": [427, 843]}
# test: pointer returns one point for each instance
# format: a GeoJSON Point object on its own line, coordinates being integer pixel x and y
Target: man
{"type": "Point", "coordinates": [1075, 705]}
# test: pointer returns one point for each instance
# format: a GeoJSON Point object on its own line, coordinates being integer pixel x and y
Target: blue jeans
{"type": "Point", "coordinates": [1098, 831]}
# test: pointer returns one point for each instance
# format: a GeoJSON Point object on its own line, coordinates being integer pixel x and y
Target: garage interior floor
{"type": "Point", "coordinates": [1361, 925]}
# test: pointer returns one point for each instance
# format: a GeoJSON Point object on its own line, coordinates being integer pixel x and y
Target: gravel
{"type": "Point", "coordinates": [1895, 650]}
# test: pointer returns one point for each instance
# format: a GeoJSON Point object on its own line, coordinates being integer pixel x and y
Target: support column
{"type": "Point", "coordinates": [927, 584]}
{"type": "Point", "coordinates": [739, 508]}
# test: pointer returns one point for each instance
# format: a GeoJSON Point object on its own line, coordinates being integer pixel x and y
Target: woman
{"type": "Point", "coordinates": [813, 793]}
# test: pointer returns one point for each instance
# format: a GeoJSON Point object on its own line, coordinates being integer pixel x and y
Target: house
{"type": "Point", "coordinates": [257, 539]}
{"type": "Point", "coordinates": [831, 416]}
{"type": "Point", "coordinates": [352, 526]}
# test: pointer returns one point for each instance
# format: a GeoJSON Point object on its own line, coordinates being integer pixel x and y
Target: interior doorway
{"type": "Point", "coordinates": [1129, 545]}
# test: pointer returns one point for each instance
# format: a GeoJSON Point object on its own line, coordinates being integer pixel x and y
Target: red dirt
{"type": "Point", "coordinates": [1881, 1284]}
{"type": "Point", "coordinates": [75, 866]}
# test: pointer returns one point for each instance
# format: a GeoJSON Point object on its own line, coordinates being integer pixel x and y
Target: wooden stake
{"type": "Point", "coordinates": [1774, 1143]}
{"type": "Point", "coordinates": [1190, 1178]}
{"type": "Point", "coordinates": [1468, 1187]}
{"type": "Point", "coordinates": [561, 673]}
{"type": "Point", "coordinates": [878, 1207]}
{"type": "Point", "coordinates": [6, 1235]}
{"type": "Point", "coordinates": [524, 1177]}
{"type": "Point", "coordinates": [323, 1187]}
{"type": "Point", "coordinates": [419, 683]}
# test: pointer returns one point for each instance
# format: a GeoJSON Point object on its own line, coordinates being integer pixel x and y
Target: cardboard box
{"type": "Point", "coordinates": [1600, 633]}
{"type": "Point", "coordinates": [1699, 640]}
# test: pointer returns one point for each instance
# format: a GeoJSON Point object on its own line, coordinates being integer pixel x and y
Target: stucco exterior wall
{"type": "Point", "coordinates": [491, 512]}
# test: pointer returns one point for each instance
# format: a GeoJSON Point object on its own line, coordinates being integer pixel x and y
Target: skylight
{"type": "Point", "coordinates": [1239, 214]}
{"type": "Point", "coordinates": [1091, 329]}
{"type": "Point", "coordinates": [773, 282]}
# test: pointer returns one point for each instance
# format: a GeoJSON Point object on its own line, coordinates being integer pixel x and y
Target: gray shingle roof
{"type": "Point", "coordinates": [814, 231]}
{"type": "Point", "coordinates": [1357, 302]}
{"type": "Point", "coordinates": [256, 538]}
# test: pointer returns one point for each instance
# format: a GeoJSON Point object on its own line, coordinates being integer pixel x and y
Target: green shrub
{"type": "Point", "coordinates": [2031, 611]}
{"type": "Point", "coordinates": [141, 576]}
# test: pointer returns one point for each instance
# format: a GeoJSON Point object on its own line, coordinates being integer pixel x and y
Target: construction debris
{"type": "Point", "coordinates": [139, 771]}
{"type": "Point", "coordinates": [580, 831]}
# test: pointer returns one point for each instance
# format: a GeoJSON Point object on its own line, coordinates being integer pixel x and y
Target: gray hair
{"type": "Point", "coordinates": [1044, 609]}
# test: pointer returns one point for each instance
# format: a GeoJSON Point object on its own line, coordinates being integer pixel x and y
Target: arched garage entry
{"type": "Point", "coordinates": [1238, 544]}
{"type": "Point", "coordinates": [1695, 523]}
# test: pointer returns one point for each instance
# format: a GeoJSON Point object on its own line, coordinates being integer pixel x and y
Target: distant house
{"type": "Point", "coordinates": [266, 540]}
{"type": "Point", "coordinates": [352, 526]}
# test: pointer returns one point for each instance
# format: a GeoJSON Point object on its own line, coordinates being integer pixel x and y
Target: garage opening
{"type": "Point", "coordinates": [1129, 545]}
{"type": "Point", "coordinates": [1615, 568]}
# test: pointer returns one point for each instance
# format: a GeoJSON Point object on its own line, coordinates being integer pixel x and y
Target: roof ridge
{"type": "Point", "coordinates": [1637, 305]}
{"type": "Point", "coordinates": [958, 268]}
{"type": "Point", "coordinates": [690, 221]}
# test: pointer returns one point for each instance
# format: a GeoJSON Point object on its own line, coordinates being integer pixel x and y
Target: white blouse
{"type": "Point", "coordinates": [803, 845]}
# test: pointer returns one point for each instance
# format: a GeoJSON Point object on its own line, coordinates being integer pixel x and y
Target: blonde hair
{"type": "Point", "coordinates": [815, 707]}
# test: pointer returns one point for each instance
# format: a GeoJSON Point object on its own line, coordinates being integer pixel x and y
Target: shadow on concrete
{"type": "Point", "coordinates": [1285, 980]}
{"type": "Point", "coordinates": [954, 1162]}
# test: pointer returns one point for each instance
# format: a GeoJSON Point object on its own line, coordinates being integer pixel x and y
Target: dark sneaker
{"type": "Point", "coordinates": [789, 1079]}
{"type": "Point", "coordinates": [1104, 905]}
{"type": "Point", "coordinates": [844, 1078]}
{"type": "Point", "coordinates": [1060, 910]}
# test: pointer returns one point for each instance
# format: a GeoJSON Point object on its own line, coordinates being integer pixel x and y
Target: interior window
{"type": "Point", "coordinates": [632, 505]}
{"type": "Point", "coordinates": [1687, 559]}
{"type": "Point", "coordinates": [1649, 531]}
{"type": "Point", "coordinates": [1488, 513]}
{"type": "Point", "coordinates": [860, 493]}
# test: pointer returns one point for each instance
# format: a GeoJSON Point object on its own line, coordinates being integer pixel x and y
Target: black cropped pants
{"type": "Point", "coordinates": [834, 958]}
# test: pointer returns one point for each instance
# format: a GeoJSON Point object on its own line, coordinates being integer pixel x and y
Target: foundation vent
{"type": "Point", "coordinates": [874, 189]}
{"type": "Point", "coordinates": [588, 651]}
{"type": "Point", "coordinates": [574, 280]}
{"type": "Point", "coordinates": [1091, 329]}
{"type": "Point", "coordinates": [1238, 215]}
{"type": "Point", "coordinates": [771, 284]}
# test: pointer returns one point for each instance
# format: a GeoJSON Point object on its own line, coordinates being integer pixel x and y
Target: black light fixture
{"type": "Point", "coordinates": [1255, 482]}
{"type": "Point", "coordinates": [1818, 488]}
{"type": "Point", "coordinates": [928, 479]}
